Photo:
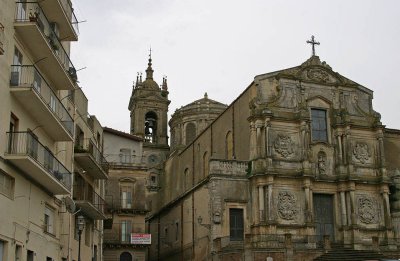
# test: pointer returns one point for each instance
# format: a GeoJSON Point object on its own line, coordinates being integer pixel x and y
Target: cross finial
{"type": "Point", "coordinates": [313, 43]}
{"type": "Point", "coordinates": [150, 53]}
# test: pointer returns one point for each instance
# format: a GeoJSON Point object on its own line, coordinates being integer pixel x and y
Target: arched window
{"type": "Point", "coordinates": [187, 181]}
{"type": "Point", "coordinates": [150, 128]}
{"type": "Point", "coordinates": [125, 256]}
{"type": "Point", "coordinates": [190, 132]}
{"type": "Point", "coordinates": [205, 163]}
{"type": "Point", "coordinates": [229, 146]}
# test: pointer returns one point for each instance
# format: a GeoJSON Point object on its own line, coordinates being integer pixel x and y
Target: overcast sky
{"type": "Point", "coordinates": [219, 46]}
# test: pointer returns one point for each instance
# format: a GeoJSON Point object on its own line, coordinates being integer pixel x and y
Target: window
{"type": "Point", "coordinates": [49, 220]}
{"type": "Point", "coordinates": [125, 156]}
{"type": "Point", "coordinates": [236, 224]}
{"type": "Point", "coordinates": [6, 185]}
{"type": "Point", "coordinates": [176, 231]}
{"type": "Point", "coordinates": [150, 129]}
{"type": "Point", "coordinates": [126, 196]}
{"type": "Point", "coordinates": [18, 253]}
{"type": "Point", "coordinates": [319, 126]}
{"type": "Point", "coordinates": [49, 259]}
{"type": "Point", "coordinates": [190, 132]}
{"type": "Point", "coordinates": [126, 228]}
{"type": "Point", "coordinates": [29, 255]}
{"type": "Point", "coordinates": [16, 68]}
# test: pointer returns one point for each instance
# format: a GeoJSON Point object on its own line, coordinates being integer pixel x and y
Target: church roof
{"type": "Point", "coordinates": [203, 102]}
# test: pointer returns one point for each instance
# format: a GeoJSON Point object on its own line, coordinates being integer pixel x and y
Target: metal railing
{"type": "Point", "coordinates": [125, 204]}
{"type": "Point", "coordinates": [23, 76]}
{"type": "Point", "coordinates": [26, 144]}
{"type": "Point", "coordinates": [120, 233]}
{"type": "Point", "coordinates": [88, 146]}
{"type": "Point", "coordinates": [86, 193]}
{"type": "Point", "coordinates": [32, 12]}
{"type": "Point", "coordinates": [69, 11]}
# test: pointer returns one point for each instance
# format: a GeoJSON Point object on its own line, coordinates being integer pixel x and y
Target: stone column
{"type": "Point", "coordinates": [348, 208]}
{"type": "Point", "coordinates": [267, 132]}
{"type": "Point", "coordinates": [259, 126]}
{"type": "Point", "coordinates": [353, 205]}
{"type": "Point", "coordinates": [343, 207]}
{"type": "Point", "coordinates": [340, 152]}
{"type": "Point", "coordinates": [269, 205]}
{"type": "Point", "coordinates": [307, 200]}
{"type": "Point", "coordinates": [252, 140]}
{"type": "Point", "coordinates": [256, 219]}
{"type": "Point", "coordinates": [261, 202]}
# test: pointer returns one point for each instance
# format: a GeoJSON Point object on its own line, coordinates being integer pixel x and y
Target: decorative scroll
{"type": "Point", "coordinates": [361, 152]}
{"type": "Point", "coordinates": [367, 210]}
{"type": "Point", "coordinates": [287, 205]}
{"type": "Point", "coordinates": [284, 146]}
{"type": "Point", "coordinates": [318, 75]}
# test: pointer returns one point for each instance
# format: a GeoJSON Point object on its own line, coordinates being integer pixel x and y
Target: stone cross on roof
{"type": "Point", "coordinates": [313, 43]}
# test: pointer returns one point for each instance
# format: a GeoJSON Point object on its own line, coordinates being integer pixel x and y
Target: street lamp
{"type": "Point", "coordinates": [81, 226]}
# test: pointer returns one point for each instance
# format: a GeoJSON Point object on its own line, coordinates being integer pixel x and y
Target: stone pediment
{"type": "Point", "coordinates": [315, 71]}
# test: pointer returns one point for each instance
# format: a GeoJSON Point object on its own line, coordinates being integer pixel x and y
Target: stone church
{"type": "Point", "coordinates": [297, 165]}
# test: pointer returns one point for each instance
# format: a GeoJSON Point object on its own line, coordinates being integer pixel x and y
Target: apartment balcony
{"type": "Point", "coordinates": [133, 205]}
{"type": "Point", "coordinates": [40, 101]}
{"type": "Point", "coordinates": [26, 152]}
{"type": "Point", "coordinates": [121, 235]}
{"type": "Point", "coordinates": [91, 203]}
{"type": "Point", "coordinates": [62, 13]}
{"type": "Point", "coordinates": [48, 54]}
{"type": "Point", "coordinates": [91, 159]}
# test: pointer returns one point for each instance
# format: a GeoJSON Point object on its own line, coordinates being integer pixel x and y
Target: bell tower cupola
{"type": "Point", "coordinates": [148, 108]}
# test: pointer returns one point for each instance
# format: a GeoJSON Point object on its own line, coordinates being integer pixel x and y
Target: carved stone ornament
{"type": "Point", "coordinates": [367, 210]}
{"type": "Point", "coordinates": [287, 205]}
{"type": "Point", "coordinates": [322, 162]}
{"type": "Point", "coordinates": [284, 146]}
{"type": "Point", "coordinates": [361, 152]}
{"type": "Point", "coordinates": [318, 75]}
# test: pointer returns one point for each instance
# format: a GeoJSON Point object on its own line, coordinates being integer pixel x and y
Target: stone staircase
{"type": "Point", "coordinates": [348, 254]}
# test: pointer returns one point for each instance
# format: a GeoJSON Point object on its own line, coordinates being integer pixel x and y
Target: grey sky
{"type": "Point", "coordinates": [219, 46]}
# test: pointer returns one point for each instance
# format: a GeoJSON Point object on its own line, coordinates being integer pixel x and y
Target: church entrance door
{"type": "Point", "coordinates": [323, 216]}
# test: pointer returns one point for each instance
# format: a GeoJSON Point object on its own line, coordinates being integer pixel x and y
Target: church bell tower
{"type": "Point", "coordinates": [148, 108]}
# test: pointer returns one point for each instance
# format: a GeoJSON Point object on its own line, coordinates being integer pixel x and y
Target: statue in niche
{"type": "Point", "coordinates": [322, 164]}
{"type": "Point", "coordinates": [284, 145]}
{"type": "Point", "coordinates": [361, 152]}
{"type": "Point", "coordinates": [367, 211]}
{"type": "Point", "coordinates": [287, 205]}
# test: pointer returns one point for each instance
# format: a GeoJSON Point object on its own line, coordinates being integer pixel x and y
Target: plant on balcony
{"type": "Point", "coordinates": [52, 42]}
{"type": "Point", "coordinates": [79, 149]}
{"type": "Point", "coordinates": [34, 15]}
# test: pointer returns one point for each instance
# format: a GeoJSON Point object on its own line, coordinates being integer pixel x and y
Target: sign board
{"type": "Point", "coordinates": [141, 239]}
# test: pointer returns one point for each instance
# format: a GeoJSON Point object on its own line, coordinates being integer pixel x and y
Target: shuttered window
{"type": "Point", "coordinates": [236, 225]}
{"type": "Point", "coordinates": [318, 123]}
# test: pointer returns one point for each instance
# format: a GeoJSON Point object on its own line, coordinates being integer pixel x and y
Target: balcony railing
{"type": "Point", "coordinates": [29, 12]}
{"type": "Point", "coordinates": [67, 6]}
{"type": "Point", "coordinates": [87, 146]}
{"type": "Point", "coordinates": [26, 144]}
{"type": "Point", "coordinates": [28, 76]}
{"type": "Point", "coordinates": [126, 204]}
{"type": "Point", "coordinates": [87, 193]}
{"type": "Point", "coordinates": [120, 233]}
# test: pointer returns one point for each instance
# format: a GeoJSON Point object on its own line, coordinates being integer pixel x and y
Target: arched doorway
{"type": "Point", "coordinates": [125, 257]}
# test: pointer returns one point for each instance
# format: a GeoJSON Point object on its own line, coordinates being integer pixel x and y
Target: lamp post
{"type": "Point", "coordinates": [81, 226]}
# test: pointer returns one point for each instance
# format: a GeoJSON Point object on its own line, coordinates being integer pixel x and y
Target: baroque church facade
{"type": "Point", "coordinates": [296, 165]}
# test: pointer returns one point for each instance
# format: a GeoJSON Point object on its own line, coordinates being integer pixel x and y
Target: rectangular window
{"type": "Point", "coordinates": [236, 224]}
{"type": "Point", "coordinates": [126, 228]}
{"type": "Point", "coordinates": [29, 255]}
{"type": "Point", "coordinates": [125, 156]}
{"type": "Point", "coordinates": [126, 197]}
{"type": "Point", "coordinates": [6, 185]}
{"type": "Point", "coordinates": [319, 126]}
{"type": "Point", "coordinates": [49, 220]}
